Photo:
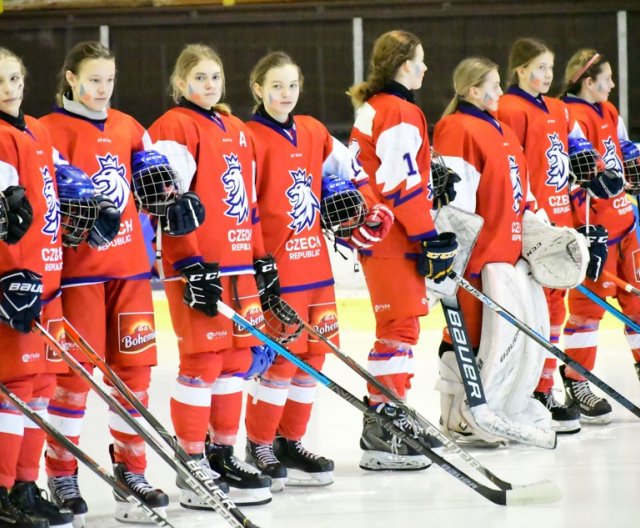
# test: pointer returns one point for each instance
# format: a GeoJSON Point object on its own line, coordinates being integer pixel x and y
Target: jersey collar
{"type": "Point", "coordinates": [209, 114]}
{"type": "Point", "coordinates": [536, 101]}
{"type": "Point", "coordinates": [399, 90]}
{"type": "Point", "coordinates": [473, 110]}
{"type": "Point", "coordinates": [286, 130]}
{"type": "Point", "coordinates": [572, 99]}
{"type": "Point", "coordinates": [17, 122]}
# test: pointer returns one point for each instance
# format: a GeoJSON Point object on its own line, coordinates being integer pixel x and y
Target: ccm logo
{"type": "Point", "coordinates": [25, 287]}
{"type": "Point", "coordinates": [207, 276]}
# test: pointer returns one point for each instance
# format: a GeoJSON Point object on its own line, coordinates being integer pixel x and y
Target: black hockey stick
{"type": "Point", "coordinates": [188, 469]}
{"type": "Point", "coordinates": [538, 493]}
{"type": "Point", "coordinates": [119, 488]}
{"type": "Point", "coordinates": [505, 314]}
{"type": "Point", "coordinates": [393, 397]}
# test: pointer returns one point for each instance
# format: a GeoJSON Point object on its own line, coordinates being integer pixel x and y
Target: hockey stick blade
{"type": "Point", "coordinates": [187, 468]}
{"type": "Point", "coordinates": [542, 492]}
{"type": "Point", "coordinates": [497, 496]}
{"type": "Point", "coordinates": [119, 488]}
{"type": "Point", "coordinates": [505, 314]}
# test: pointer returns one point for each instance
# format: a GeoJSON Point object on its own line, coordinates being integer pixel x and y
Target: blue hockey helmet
{"type": "Point", "coordinates": [342, 207]}
{"type": "Point", "coordinates": [631, 163]}
{"type": "Point", "coordinates": [155, 182]}
{"type": "Point", "coordinates": [584, 161]}
{"type": "Point", "coordinates": [78, 208]}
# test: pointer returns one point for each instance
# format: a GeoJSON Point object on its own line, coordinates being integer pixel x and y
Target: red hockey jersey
{"type": "Point", "coordinates": [542, 126]}
{"type": "Point", "coordinates": [103, 150]}
{"type": "Point", "coordinates": [389, 139]}
{"type": "Point", "coordinates": [603, 127]}
{"type": "Point", "coordinates": [214, 156]}
{"type": "Point", "coordinates": [26, 159]}
{"type": "Point", "coordinates": [290, 165]}
{"type": "Point", "coordinates": [488, 157]}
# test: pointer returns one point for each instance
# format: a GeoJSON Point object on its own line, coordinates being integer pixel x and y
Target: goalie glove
{"type": "Point", "coordinates": [107, 225]}
{"type": "Point", "coordinates": [20, 303]}
{"type": "Point", "coordinates": [203, 289]}
{"type": "Point", "coordinates": [19, 213]}
{"type": "Point", "coordinates": [597, 237]}
{"type": "Point", "coordinates": [267, 279]}
{"type": "Point", "coordinates": [183, 216]}
{"type": "Point", "coordinates": [436, 259]}
{"type": "Point", "coordinates": [605, 184]}
{"type": "Point", "coordinates": [377, 223]}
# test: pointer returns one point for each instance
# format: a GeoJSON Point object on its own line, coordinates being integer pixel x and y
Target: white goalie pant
{"type": "Point", "coordinates": [510, 363]}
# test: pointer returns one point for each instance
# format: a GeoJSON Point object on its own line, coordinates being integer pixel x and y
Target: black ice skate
{"type": "Point", "coordinates": [30, 499]}
{"type": "Point", "coordinates": [261, 457]}
{"type": "Point", "coordinates": [189, 498]}
{"type": "Point", "coordinates": [13, 517]}
{"type": "Point", "coordinates": [565, 419]}
{"type": "Point", "coordinates": [247, 486]}
{"type": "Point", "coordinates": [66, 493]}
{"type": "Point", "coordinates": [303, 467]}
{"type": "Point", "coordinates": [138, 485]}
{"type": "Point", "coordinates": [386, 451]}
{"type": "Point", "coordinates": [637, 366]}
{"type": "Point", "coordinates": [593, 409]}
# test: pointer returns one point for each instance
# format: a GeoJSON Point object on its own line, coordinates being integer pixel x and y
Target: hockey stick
{"type": "Point", "coordinates": [543, 492]}
{"type": "Point", "coordinates": [505, 314]}
{"type": "Point", "coordinates": [119, 488]}
{"type": "Point", "coordinates": [621, 284]}
{"type": "Point", "coordinates": [188, 469]}
{"type": "Point", "coordinates": [393, 397]}
{"type": "Point", "coordinates": [611, 309]}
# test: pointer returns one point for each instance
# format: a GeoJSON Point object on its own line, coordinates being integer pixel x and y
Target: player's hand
{"type": "Point", "coordinates": [605, 184]}
{"type": "Point", "coordinates": [436, 259]}
{"type": "Point", "coordinates": [376, 226]}
{"type": "Point", "coordinates": [20, 293]}
{"type": "Point", "coordinates": [203, 288]}
{"type": "Point", "coordinates": [107, 225]}
{"type": "Point", "coordinates": [597, 237]}
{"type": "Point", "coordinates": [183, 216]}
{"type": "Point", "coordinates": [19, 213]}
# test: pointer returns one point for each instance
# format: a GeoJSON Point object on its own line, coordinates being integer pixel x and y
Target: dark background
{"type": "Point", "coordinates": [318, 36]}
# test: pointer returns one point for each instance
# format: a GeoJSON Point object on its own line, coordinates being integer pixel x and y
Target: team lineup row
{"type": "Point", "coordinates": [238, 213]}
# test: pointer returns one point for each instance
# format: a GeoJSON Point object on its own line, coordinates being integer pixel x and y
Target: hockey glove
{"type": "Point", "coordinates": [436, 260]}
{"type": "Point", "coordinates": [262, 358]}
{"type": "Point", "coordinates": [19, 213]}
{"type": "Point", "coordinates": [597, 236]}
{"type": "Point", "coordinates": [266, 278]}
{"type": "Point", "coordinates": [20, 292]}
{"type": "Point", "coordinates": [448, 194]}
{"type": "Point", "coordinates": [376, 226]}
{"type": "Point", "coordinates": [107, 225]}
{"type": "Point", "coordinates": [183, 216]}
{"type": "Point", "coordinates": [203, 289]}
{"type": "Point", "coordinates": [606, 184]}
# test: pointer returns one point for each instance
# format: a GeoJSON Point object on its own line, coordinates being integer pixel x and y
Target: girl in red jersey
{"type": "Point", "coordinates": [390, 140]}
{"type": "Point", "coordinates": [29, 279]}
{"type": "Point", "coordinates": [487, 155]}
{"type": "Point", "coordinates": [213, 154]}
{"type": "Point", "coordinates": [588, 84]}
{"type": "Point", "coordinates": [106, 283]}
{"type": "Point", "coordinates": [293, 154]}
{"type": "Point", "coordinates": [542, 126]}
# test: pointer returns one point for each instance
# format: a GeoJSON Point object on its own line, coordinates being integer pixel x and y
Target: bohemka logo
{"type": "Point", "coordinates": [56, 329]}
{"type": "Point", "coordinates": [136, 332]}
{"type": "Point", "coordinates": [327, 326]}
{"type": "Point", "coordinates": [253, 314]}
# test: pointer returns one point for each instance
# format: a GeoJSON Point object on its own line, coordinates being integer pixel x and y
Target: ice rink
{"type": "Point", "coordinates": [598, 470]}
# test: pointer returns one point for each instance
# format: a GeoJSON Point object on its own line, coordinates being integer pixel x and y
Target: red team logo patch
{"type": "Point", "coordinates": [252, 313]}
{"type": "Point", "coordinates": [136, 332]}
{"type": "Point", "coordinates": [327, 325]}
{"type": "Point", "coordinates": [56, 328]}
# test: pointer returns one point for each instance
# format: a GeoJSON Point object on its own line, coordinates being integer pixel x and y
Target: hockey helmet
{"type": "Point", "coordinates": [155, 182]}
{"type": "Point", "coordinates": [78, 208]}
{"type": "Point", "coordinates": [631, 162]}
{"type": "Point", "coordinates": [342, 207]}
{"type": "Point", "coordinates": [584, 161]}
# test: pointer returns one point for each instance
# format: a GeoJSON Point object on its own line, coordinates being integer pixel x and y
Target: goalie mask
{"type": "Point", "coordinates": [155, 182]}
{"type": "Point", "coordinates": [78, 208]}
{"type": "Point", "coordinates": [342, 207]}
{"type": "Point", "coordinates": [584, 161]}
{"type": "Point", "coordinates": [439, 173]}
{"type": "Point", "coordinates": [631, 162]}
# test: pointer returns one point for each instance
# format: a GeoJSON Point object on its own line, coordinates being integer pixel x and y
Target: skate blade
{"type": "Point", "coordinates": [295, 477]}
{"type": "Point", "coordinates": [382, 461]}
{"type": "Point", "coordinates": [277, 484]}
{"type": "Point", "coordinates": [128, 513]}
{"type": "Point", "coordinates": [604, 419]}
{"type": "Point", "coordinates": [249, 496]}
{"type": "Point", "coordinates": [79, 520]}
{"type": "Point", "coordinates": [566, 426]}
{"type": "Point", "coordinates": [542, 492]}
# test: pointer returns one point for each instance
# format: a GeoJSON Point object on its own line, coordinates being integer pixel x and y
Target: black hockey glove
{"type": "Point", "coordinates": [19, 213]}
{"type": "Point", "coordinates": [183, 216]}
{"type": "Point", "coordinates": [448, 194]}
{"type": "Point", "coordinates": [20, 292]}
{"type": "Point", "coordinates": [606, 184]}
{"type": "Point", "coordinates": [436, 260]}
{"type": "Point", "coordinates": [203, 289]}
{"type": "Point", "coordinates": [107, 225]}
{"type": "Point", "coordinates": [597, 236]}
{"type": "Point", "coordinates": [266, 278]}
